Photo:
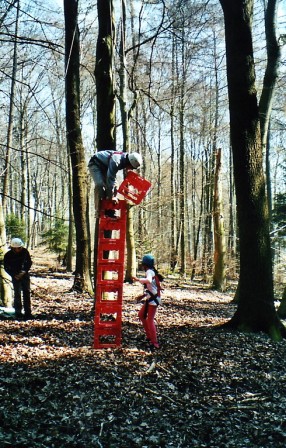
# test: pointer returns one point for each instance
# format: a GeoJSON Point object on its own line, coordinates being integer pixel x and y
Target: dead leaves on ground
{"type": "Point", "coordinates": [204, 388]}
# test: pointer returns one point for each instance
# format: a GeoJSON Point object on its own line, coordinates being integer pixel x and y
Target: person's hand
{"type": "Point", "coordinates": [135, 279]}
{"type": "Point", "coordinates": [20, 275]}
{"type": "Point", "coordinates": [115, 200]}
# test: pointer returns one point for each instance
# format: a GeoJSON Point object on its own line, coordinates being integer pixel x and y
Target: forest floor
{"type": "Point", "coordinates": [205, 387]}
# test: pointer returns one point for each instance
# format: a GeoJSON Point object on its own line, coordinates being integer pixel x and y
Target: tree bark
{"type": "Point", "coordinates": [219, 236]}
{"type": "Point", "coordinates": [256, 311]}
{"type": "Point", "coordinates": [5, 279]}
{"type": "Point", "coordinates": [269, 82]}
{"type": "Point", "coordinates": [182, 157]}
{"type": "Point", "coordinates": [282, 307]}
{"type": "Point", "coordinates": [104, 76]}
{"type": "Point", "coordinates": [125, 117]}
{"type": "Point", "coordinates": [6, 176]}
{"type": "Point", "coordinates": [76, 149]}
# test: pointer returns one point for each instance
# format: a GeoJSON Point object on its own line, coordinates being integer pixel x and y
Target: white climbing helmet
{"type": "Point", "coordinates": [16, 242]}
{"type": "Point", "coordinates": [135, 159]}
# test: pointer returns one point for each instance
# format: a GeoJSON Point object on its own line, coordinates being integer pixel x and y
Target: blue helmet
{"type": "Point", "coordinates": [148, 260]}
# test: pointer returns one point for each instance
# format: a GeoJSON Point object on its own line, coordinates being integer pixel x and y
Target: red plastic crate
{"type": "Point", "coordinates": [116, 248]}
{"type": "Point", "coordinates": [117, 227]}
{"type": "Point", "coordinates": [116, 269]}
{"type": "Point", "coordinates": [107, 316]}
{"type": "Point", "coordinates": [111, 293]}
{"type": "Point", "coordinates": [134, 188]}
{"type": "Point", "coordinates": [107, 338]}
{"type": "Point", "coordinates": [119, 208]}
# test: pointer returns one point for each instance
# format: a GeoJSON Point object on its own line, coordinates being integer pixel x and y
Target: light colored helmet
{"type": "Point", "coordinates": [135, 159]}
{"type": "Point", "coordinates": [148, 260]}
{"type": "Point", "coordinates": [16, 242]}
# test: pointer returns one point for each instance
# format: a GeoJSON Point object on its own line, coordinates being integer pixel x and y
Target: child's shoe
{"type": "Point", "coordinates": [154, 347]}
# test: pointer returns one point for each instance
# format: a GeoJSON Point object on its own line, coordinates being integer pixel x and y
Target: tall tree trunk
{"type": "Point", "coordinates": [104, 76]}
{"type": "Point", "coordinates": [256, 311]}
{"type": "Point", "coordinates": [71, 225]}
{"type": "Point", "coordinates": [182, 173]}
{"type": "Point", "coordinates": [174, 254]}
{"type": "Point", "coordinates": [231, 231]}
{"type": "Point", "coordinates": [282, 307]}
{"type": "Point", "coordinates": [5, 280]}
{"type": "Point", "coordinates": [269, 82]}
{"type": "Point", "coordinates": [11, 116]}
{"type": "Point", "coordinates": [125, 117]}
{"type": "Point", "coordinates": [197, 229]}
{"type": "Point", "coordinates": [208, 185]}
{"type": "Point", "coordinates": [75, 144]}
{"type": "Point", "coordinates": [218, 221]}
{"type": "Point", "coordinates": [219, 236]}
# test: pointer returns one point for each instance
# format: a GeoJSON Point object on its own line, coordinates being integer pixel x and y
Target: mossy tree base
{"type": "Point", "coordinates": [272, 326]}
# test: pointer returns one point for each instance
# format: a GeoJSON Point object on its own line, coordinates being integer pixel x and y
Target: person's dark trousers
{"type": "Point", "coordinates": [22, 286]}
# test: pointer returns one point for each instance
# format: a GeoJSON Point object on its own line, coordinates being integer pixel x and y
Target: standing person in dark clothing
{"type": "Point", "coordinates": [17, 263]}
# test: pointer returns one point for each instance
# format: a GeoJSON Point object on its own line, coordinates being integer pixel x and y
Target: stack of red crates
{"type": "Point", "coordinates": [110, 275]}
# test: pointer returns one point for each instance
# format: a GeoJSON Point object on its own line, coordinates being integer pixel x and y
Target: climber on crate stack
{"type": "Point", "coordinates": [104, 166]}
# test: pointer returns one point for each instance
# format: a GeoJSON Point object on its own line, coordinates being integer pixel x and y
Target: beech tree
{"type": "Point", "coordinates": [219, 236]}
{"type": "Point", "coordinates": [75, 144]}
{"type": "Point", "coordinates": [256, 310]}
{"type": "Point", "coordinates": [269, 82]}
{"type": "Point", "coordinates": [104, 76]}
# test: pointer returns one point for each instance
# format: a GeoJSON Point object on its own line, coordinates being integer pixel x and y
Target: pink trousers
{"type": "Point", "coordinates": [148, 323]}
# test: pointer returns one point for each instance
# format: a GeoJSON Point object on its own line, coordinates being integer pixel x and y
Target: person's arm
{"type": "Point", "coordinates": [27, 262]}
{"type": "Point", "coordinates": [7, 265]}
{"type": "Point", "coordinates": [147, 279]}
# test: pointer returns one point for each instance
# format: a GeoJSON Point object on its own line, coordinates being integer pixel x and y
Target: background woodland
{"type": "Point", "coordinates": [198, 87]}
{"type": "Point", "coordinates": [175, 97]}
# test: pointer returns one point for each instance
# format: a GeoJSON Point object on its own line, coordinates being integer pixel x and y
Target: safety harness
{"type": "Point", "coordinates": [153, 297]}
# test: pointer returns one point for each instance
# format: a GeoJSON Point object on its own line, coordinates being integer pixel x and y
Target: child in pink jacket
{"type": "Point", "coordinates": [153, 299]}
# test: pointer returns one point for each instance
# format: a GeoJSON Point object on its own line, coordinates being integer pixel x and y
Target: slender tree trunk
{"type": "Point", "coordinates": [75, 144]}
{"type": "Point", "coordinates": [231, 231]}
{"type": "Point", "coordinates": [208, 183]}
{"type": "Point", "coordinates": [197, 230]}
{"type": "Point", "coordinates": [268, 176]}
{"type": "Point", "coordinates": [219, 236]}
{"type": "Point", "coordinates": [269, 82]}
{"type": "Point", "coordinates": [125, 117]}
{"type": "Point", "coordinates": [23, 161]}
{"type": "Point", "coordinates": [130, 245]}
{"type": "Point", "coordinates": [140, 143]}
{"type": "Point", "coordinates": [218, 220]}
{"type": "Point", "coordinates": [5, 280]}
{"type": "Point", "coordinates": [182, 165]}
{"type": "Point", "coordinates": [11, 116]}
{"type": "Point", "coordinates": [69, 252]}
{"type": "Point", "coordinates": [282, 307]}
{"type": "Point", "coordinates": [256, 311]}
{"type": "Point", "coordinates": [174, 254]}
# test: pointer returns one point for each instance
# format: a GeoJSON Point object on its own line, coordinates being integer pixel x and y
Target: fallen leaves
{"type": "Point", "coordinates": [204, 388]}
